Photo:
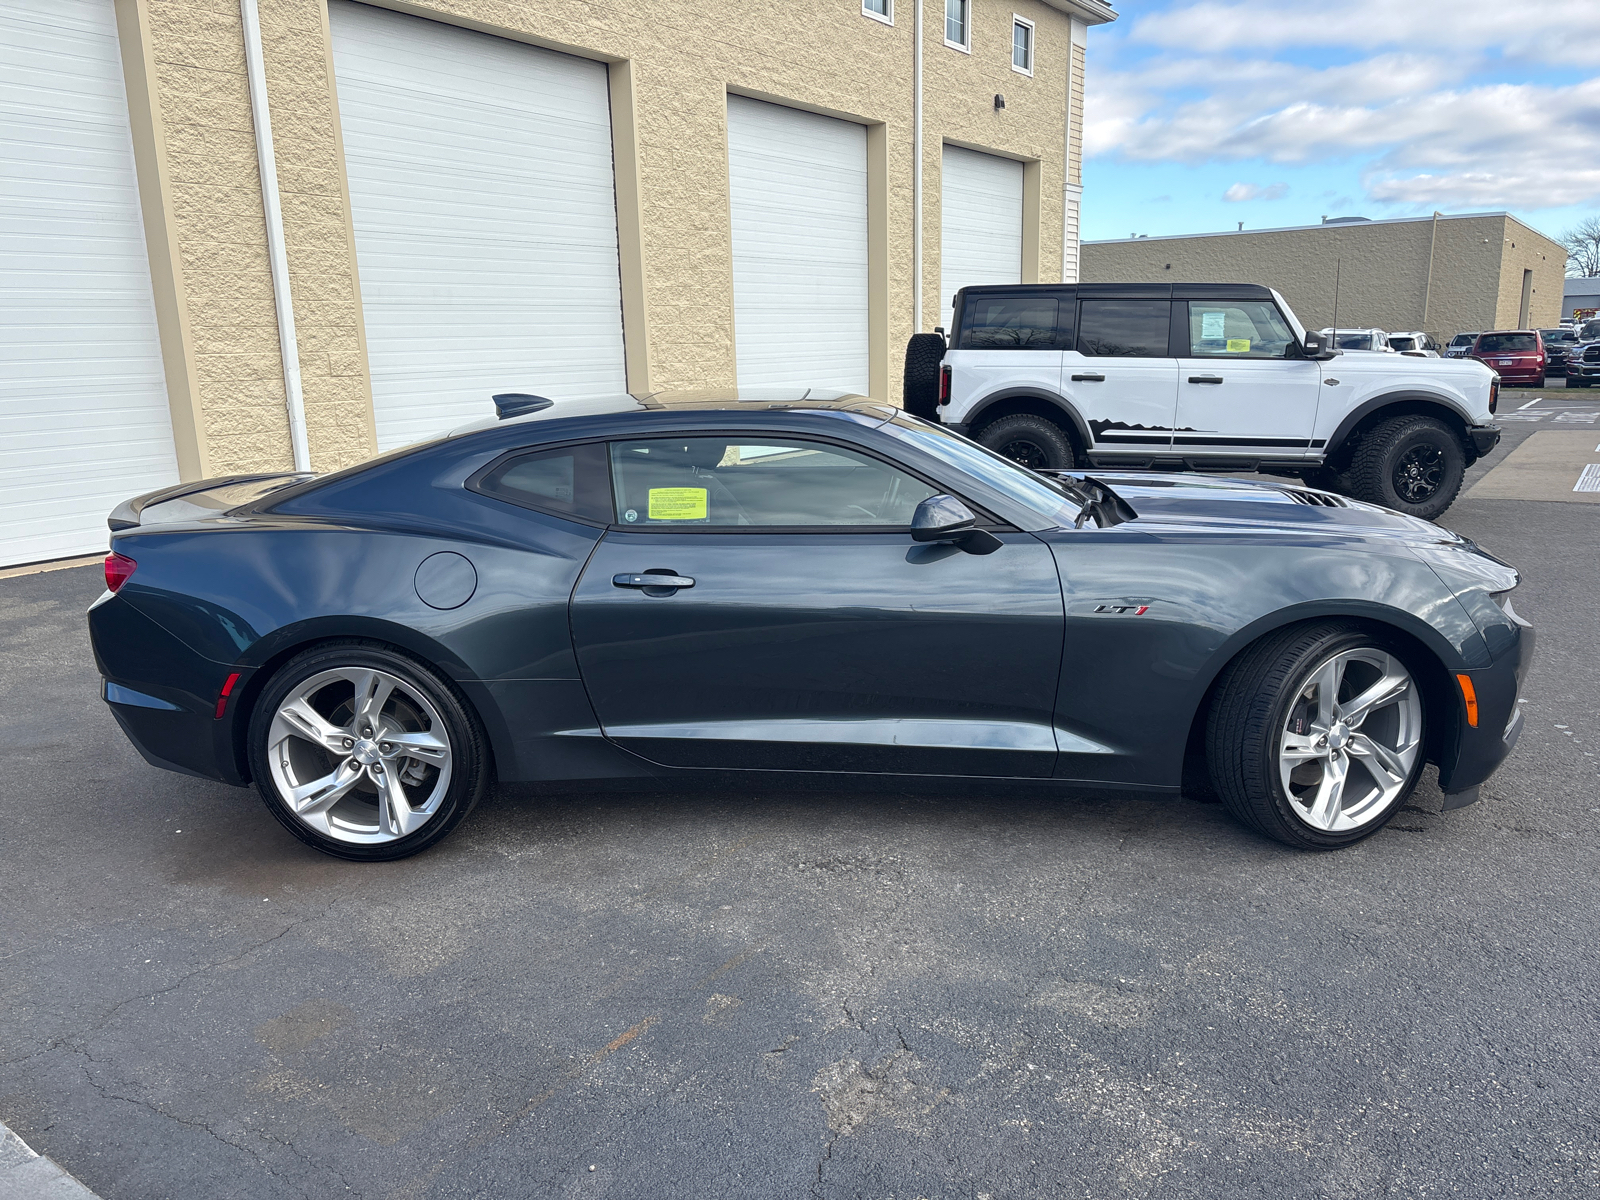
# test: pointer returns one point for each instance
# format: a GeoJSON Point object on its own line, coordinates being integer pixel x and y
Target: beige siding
{"type": "Point", "coordinates": [684, 57]}
{"type": "Point", "coordinates": [1381, 270]}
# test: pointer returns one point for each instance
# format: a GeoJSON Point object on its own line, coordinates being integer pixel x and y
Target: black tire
{"type": "Point", "coordinates": [451, 799]}
{"type": "Point", "coordinates": [1540, 384]}
{"type": "Point", "coordinates": [1033, 441]}
{"type": "Point", "coordinates": [1251, 708]}
{"type": "Point", "coordinates": [1411, 464]}
{"type": "Point", "coordinates": [920, 393]}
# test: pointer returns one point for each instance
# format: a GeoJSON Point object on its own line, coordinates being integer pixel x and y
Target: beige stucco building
{"type": "Point", "coordinates": [1441, 274]}
{"type": "Point", "coordinates": [485, 195]}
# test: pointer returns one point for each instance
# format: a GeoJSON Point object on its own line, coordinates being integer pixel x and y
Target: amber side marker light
{"type": "Point", "coordinates": [1470, 695]}
{"type": "Point", "coordinates": [227, 689]}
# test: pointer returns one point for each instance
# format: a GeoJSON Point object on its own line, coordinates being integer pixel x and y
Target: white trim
{"type": "Point", "coordinates": [966, 25]}
{"type": "Point", "coordinates": [916, 170]}
{"type": "Point", "coordinates": [294, 397]}
{"type": "Point", "coordinates": [881, 18]}
{"type": "Point", "coordinates": [1033, 45]}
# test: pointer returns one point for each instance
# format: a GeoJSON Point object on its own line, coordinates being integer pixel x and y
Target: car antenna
{"type": "Point", "coordinates": [1338, 266]}
{"type": "Point", "coordinates": [518, 404]}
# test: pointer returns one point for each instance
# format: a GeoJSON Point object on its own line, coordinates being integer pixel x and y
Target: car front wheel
{"type": "Point", "coordinates": [1315, 735]}
{"type": "Point", "coordinates": [1030, 440]}
{"type": "Point", "coordinates": [1412, 464]}
{"type": "Point", "coordinates": [364, 753]}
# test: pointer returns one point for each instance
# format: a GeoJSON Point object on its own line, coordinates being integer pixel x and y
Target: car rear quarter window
{"type": "Point", "coordinates": [775, 482]}
{"type": "Point", "coordinates": [1010, 323]}
{"type": "Point", "coordinates": [570, 481]}
{"type": "Point", "coordinates": [1508, 343]}
{"type": "Point", "coordinates": [1237, 329]}
{"type": "Point", "coordinates": [1124, 328]}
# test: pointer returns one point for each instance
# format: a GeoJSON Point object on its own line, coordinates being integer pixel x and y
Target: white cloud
{"type": "Point", "coordinates": [1539, 30]}
{"type": "Point", "coordinates": [1424, 133]}
{"type": "Point", "coordinates": [1240, 192]}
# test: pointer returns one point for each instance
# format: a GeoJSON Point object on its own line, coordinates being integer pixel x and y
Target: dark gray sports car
{"type": "Point", "coordinates": [815, 587]}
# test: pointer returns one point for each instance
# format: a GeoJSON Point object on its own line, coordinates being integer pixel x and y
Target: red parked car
{"type": "Point", "coordinates": [1516, 355]}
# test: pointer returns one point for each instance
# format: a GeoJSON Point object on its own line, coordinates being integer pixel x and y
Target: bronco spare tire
{"type": "Point", "coordinates": [920, 397]}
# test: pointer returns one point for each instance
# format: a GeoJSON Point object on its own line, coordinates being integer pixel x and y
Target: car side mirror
{"type": "Point", "coordinates": [1320, 348]}
{"type": "Point", "coordinates": [945, 519]}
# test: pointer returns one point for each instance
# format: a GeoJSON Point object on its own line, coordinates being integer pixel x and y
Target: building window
{"type": "Point", "coordinates": [957, 22]}
{"type": "Point", "coordinates": [1021, 45]}
{"type": "Point", "coordinates": [878, 10]}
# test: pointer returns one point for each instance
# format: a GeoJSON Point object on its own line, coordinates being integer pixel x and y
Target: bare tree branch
{"type": "Point", "coordinates": [1583, 247]}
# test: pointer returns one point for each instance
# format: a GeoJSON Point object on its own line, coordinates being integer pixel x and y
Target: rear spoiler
{"type": "Point", "coordinates": [200, 498]}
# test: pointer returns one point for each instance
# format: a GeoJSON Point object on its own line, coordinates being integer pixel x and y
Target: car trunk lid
{"type": "Point", "coordinates": [199, 499]}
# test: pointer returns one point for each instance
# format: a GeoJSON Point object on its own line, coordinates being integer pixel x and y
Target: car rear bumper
{"type": "Point", "coordinates": [163, 694]}
{"type": "Point", "coordinates": [1479, 750]}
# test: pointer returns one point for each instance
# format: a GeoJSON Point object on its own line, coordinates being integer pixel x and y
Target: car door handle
{"type": "Point", "coordinates": [652, 581]}
{"type": "Point", "coordinates": [1088, 379]}
{"type": "Point", "coordinates": [1205, 379]}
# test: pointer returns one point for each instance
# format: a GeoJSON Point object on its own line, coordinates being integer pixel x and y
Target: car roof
{"type": "Point", "coordinates": [791, 398]}
{"type": "Point", "coordinates": [1132, 291]}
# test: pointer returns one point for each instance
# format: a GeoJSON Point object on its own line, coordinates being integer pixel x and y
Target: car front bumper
{"type": "Point", "coordinates": [1480, 749]}
{"type": "Point", "coordinates": [1484, 438]}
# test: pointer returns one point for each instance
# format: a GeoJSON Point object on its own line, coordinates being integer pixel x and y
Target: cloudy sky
{"type": "Point", "coordinates": [1205, 113]}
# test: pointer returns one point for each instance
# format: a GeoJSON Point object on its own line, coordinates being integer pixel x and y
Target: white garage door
{"type": "Point", "coordinates": [84, 422]}
{"type": "Point", "coordinates": [799, 195]}
{"type": "Point", "coordinates": [981, 223]}
{"type": "Point", "coordinates": [485, 219]}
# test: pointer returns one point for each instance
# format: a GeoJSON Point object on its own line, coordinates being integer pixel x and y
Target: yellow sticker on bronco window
{"type": "Point", "coordinates": [1238, 345]}
{"type": "Point", "coordinates": [677, 504]}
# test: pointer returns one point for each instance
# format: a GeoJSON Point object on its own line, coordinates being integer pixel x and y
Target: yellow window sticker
{"type": "Point", "coordinates": [677, 504]}
{"type": "Point", "coordinates": [1238, 345]}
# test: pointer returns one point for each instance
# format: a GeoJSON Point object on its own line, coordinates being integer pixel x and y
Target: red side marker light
{"type": "Point", "coordinates": [119, 569]}
{"type": "Point", "coordinates": [1470, 695]}
{"type": "Point", "coordinates": [228, 688]}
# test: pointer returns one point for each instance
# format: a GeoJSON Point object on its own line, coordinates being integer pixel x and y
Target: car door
{"type": "Point", "coordinates": [1244, 386]}
{"type": "Point", "coordinates": [797, 626]}
{"type": "Point", "coordinates": [1121, 375]}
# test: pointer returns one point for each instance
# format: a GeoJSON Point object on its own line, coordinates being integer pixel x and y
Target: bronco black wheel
{"type": "Point", "coordinates": [1411, 464]}
{"type": "Point", "coordinates": [1030, 441]}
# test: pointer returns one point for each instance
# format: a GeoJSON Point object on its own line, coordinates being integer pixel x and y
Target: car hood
{"type": "Point", "coordinates": [1243, 506]}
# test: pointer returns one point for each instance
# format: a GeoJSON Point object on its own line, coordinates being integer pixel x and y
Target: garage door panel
{"type": "Point", "coordinates": [84, 422]}
{"type": "Point", "coordinates": [798, 188]}
{"type": "Point", "coordinates": [484, 205]}
{"type": "Point", "coordinates": [980, 223]}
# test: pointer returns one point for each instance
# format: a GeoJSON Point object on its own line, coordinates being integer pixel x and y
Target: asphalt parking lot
{"type": "Point", "coordinates": [997, 994]}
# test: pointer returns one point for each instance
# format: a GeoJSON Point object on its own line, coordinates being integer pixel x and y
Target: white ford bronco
{"type": "Point", "coordinates": [1198, 377]}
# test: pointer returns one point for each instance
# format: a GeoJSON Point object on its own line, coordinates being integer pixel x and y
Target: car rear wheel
{"type": "Point", "coordinates": [1315, 736]}
{"type": "Point", "coordinates": [1411, 464]}
{"type": "Point", "coordinates": [1030, 440]}
{"type": "Point", "coordinates": [364, 753]}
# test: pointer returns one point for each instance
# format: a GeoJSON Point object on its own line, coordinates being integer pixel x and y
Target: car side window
{"type": "Point", "coordinates": [1124, 328]}
{"type": "Point", "coordinates": [1238, 329]}
{"type": "Point", "coordinates": [1010, 323]}
{"type": "Point", "coordinates": [702, 482]}
{"type": "Point", "coordinates": [570, 481]}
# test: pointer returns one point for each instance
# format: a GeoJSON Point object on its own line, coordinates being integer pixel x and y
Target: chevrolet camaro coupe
{"type": "Point", "coordinates": [794, 586]}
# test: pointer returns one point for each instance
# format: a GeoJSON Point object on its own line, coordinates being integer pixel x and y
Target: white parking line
{"type": "Point", "coordinates": [1531, 403]}
{"type": "Point", "coordinates": [1589, 480]}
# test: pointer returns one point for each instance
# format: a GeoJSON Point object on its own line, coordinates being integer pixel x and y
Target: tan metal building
{"type": "Point", "coordinates": [1440, 274]}
{"type": "Point", "coordinates": [470, 196]}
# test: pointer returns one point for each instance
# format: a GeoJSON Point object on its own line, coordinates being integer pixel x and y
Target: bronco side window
{"type": "Point", "coordinates": [1010, 323]}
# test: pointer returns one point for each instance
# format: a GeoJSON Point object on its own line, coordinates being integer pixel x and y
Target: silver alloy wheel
{"type": "Point", "coordinates": [1351, 740]}
{"type": "Point", "coordinates": [359, 755]}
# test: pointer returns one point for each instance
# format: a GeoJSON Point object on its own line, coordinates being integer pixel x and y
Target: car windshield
{"type": "Point", "coordinates": [1055, 501]}
{"type": "Point", "coordinates": [1402, 343]}
{"type": "Point", "coordinates": [1463, 339]}
{"type": "Point", "coordinates": [1508, 343]}
{"type": "Point", "coordinates": [1558, 335]}
{"type": "Point", "coordinates": [1355, 341]}
{"type": "Point", "coordinates": [1590, 329]}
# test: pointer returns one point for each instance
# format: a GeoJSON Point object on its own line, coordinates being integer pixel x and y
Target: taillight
{"type": "Point", "coordinates": [944, 385]}
{"type": "Point", "coordinates": [119, 569]}
{"type": "Point", "coordinates": [1494, 394]}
